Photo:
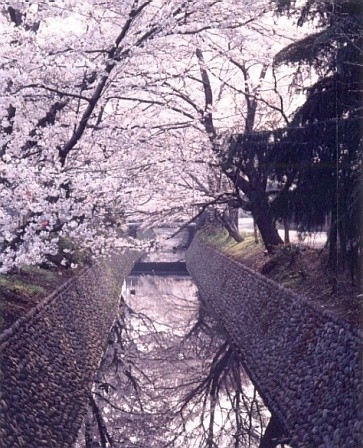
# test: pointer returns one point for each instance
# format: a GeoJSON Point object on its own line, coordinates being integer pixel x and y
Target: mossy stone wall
{"type": "Point", "coordinates": [304, 361]}
{"type": "Point", "coordinates": [50, 356]}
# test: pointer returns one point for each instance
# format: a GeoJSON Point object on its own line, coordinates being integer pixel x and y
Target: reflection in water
{"type": "Point", "coordinates": [169, 377]}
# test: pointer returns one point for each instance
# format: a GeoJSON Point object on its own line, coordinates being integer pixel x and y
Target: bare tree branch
{"type": "Point", "coordinates": [53, 90]}
{"type": "Point", "coordinates": [207, 116]}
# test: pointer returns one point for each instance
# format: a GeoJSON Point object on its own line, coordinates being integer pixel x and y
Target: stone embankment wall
{"type": "Point", "coordinates": [49, 357]}
{"type": "Point", "coordinates": [304, 361]}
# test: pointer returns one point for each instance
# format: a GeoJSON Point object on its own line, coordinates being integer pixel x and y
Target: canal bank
{"type": "Point", "coordinates": [49, 357]}
{"type": "Point", "coordinates": [171, 366]}
{"type": "Point", "coordinates": [304, 361]}
{"type": "Point", "coordinates": [169, 377]}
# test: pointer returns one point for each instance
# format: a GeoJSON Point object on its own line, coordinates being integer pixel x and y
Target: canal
{"type": "Point", "coordinates": [169, 377]}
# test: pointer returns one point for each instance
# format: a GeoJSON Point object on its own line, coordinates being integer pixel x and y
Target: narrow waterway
{"type": "Point", "coordinates": [169, 377]}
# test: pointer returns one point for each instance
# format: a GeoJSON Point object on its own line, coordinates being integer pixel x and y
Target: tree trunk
{"type": "Point", "coordinates": [229, 220]}
{"type": "Point", "coordinates": [255, 231]}
{"type": "Point", "coordinates": [191, 231]}
{"type": "Point", "coordinates": [286, 231]}
{"type": "Point", "coordinates": [333, 237]}
{"type": "Point", "coordinates": [233, 231]}
{"type": "Point", "coordinates": [274, 431]}
{"type": "Point", "coordinates": [263, 219]}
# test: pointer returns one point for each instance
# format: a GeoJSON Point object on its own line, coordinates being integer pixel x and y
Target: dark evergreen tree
{"type": "Point", "coordinates": [248, 164]}
{"type": "Point", "coordinates": [318, 156]}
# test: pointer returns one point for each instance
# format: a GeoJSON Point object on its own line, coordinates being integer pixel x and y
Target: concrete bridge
{"type": "Point", "coordinates": [304, 361]}
{"type": "Point", "coordinates": [160, 268]}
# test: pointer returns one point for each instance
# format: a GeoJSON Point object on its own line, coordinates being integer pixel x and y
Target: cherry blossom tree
{"type": "Point", "coordinates": [67, 155]}
{"type": "Point", "coordinates": [105, 118]}
{"type": "Point", "coordinates": [227, 95]}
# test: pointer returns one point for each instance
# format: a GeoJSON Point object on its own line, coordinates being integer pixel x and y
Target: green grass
{"type": "Point", "coordinates": [20, 287]}
{"type": "Point", "coordinates": [24, 289]}
{"type": "Point", "coordinates": [30, 282]}
{"type": "Point", "coordinates": [282, 266]}
{"type": "Point", "coordinates": [27, 286]}
{"type": "Point", "coordinates": [229, 246]}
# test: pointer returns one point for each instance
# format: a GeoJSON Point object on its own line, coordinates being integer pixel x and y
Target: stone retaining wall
{"type": "Point", "coordinates": [304, 361]}
{"type": "Point", "coordinates": [49, 357]}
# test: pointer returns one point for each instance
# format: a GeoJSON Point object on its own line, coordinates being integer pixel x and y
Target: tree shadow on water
{"type": "Point", "coordinates": [167, 387]}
